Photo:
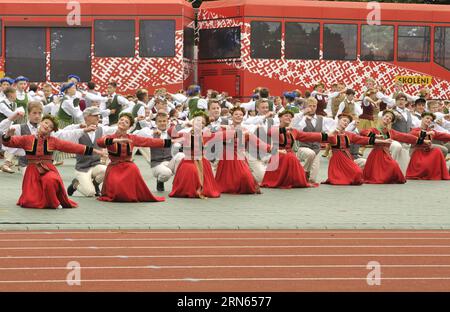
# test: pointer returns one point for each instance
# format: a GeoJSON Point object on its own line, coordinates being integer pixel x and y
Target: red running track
{"type": "Point", "coordinates": [225, 260]}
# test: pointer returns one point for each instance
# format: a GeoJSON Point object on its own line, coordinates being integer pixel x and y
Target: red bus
{"type": "Point", "coordinates": [134, 42]}
{"type": "Point", "coordinates": [293, 44]}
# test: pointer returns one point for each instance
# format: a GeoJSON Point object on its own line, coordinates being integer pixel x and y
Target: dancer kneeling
{"type": "Point", "coordinates": [289, 172]}
{"type": "Point", "coordinates": [342, 170]}
{"type": "Point", "coordinates": [123, 181]}
{"type": "Point", "coordinates": [380, 167]}
{"type": "Point", "coordinates": [42, 186]}
{"type": "Point", "coordinates": [428, 163]}
{"type": "Point", "coordinates": [194, 177]}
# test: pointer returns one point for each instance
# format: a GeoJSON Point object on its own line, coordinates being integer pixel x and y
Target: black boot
{"type": "Point", "coordinates": [72, 187]}
{"type": "Point", "coordinates": [97, 188]}
{"type": "Point", "coordinates": [160, 186]}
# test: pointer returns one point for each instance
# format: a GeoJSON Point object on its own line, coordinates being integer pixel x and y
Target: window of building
{"type": "Point", "coordinates": [188, 43]}
{"type": "Point", "coordinates": [265, 40]}
{"type": "Point", "coordinates": [442, 46]}
{"type": "Point", "coordinates": [25, 52]}
{"type": "Point", "coordinates": [413, 44]}
{"type": "Point", "coordinates": [220, 43]}
{"type": "Point", "coordinates": [302, 41]}
{"type": "Point", "coordinates": [114, 38]}
{"type": "Point", "coordinates": [70, 53]}
{"type": "Point", "coordinates": [339, 41]}
{"type": "Point", "coordinates": [157, 38]}
{"type": "Point", "coordinates": [377, 43]}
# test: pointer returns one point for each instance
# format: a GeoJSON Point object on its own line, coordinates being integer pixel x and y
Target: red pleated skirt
{"type": "Point", "coordinates": [288, 174]}
{"type": "Point", "coordinates": [124, 183]}
{"type": "Point", "coordinates": [234, 177]}
{"type": "Point", "coordinates": [427, 165]}
{"type": "Point", "coordinates": [381, 168]}
{"type": "Point", "coordinates": [342, 170]}
{"type": "Point", "coordinates": [186, 182]}
{"type": "Point", "coordinates": [44, 191]}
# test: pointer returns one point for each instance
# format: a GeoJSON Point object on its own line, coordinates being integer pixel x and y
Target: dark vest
{"type": "Point", "coordinates": [114, 104]}
{"type": "Point", "coordinates": [134, 112]}
{"type": "Point", "coordinates": [403, 125]}
{"type": "Point", "coordinates": [310, 128]}
{"type": "Point", "coordinates": [12, 107]}
{"type": "Point", "coordinates": [84, 163]}
{"type": "Point", "coordinates": [24, 130]}
{"type": "Point", "coordinates": [158, 155]}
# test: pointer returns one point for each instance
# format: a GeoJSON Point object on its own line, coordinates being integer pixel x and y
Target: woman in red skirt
{"type": "Point", "coordinates": [123, 182]}
{"type": "Point", "coordinates": [233, 173]}
{"type": "Point", "coordinates": [427, 162]}
{"type": "Point", "coordinates": [42, 186]}
{"type": "Point", "coordinates": [284, 169]}
{"type": "Point", "coordinates": [342, 170]}
{"type": "Point", "coordinates": [194, 177]}
{"type": "Point", "coordinates": [380, 167]}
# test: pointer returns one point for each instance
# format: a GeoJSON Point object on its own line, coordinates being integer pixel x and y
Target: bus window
{"type": "Point", "coordinates": [377, 43]}
{"type": "Point", "coordinates": [339, 41]}
{"type": "Point", "coordinates": [302, 41]}
{"type": "Point", "coordinates": [114, 38]}
{"type": "Point", "coordinates": [220, 43]}
{"type": "Point", "coordinates": [442, 46]}
{"type": "Point", "coordinates": [70, 53]}
{"type": "Point", "coordinates": [25, 52]}
{"type": "Point", "coordinates": [157, 38]}
{"type": "Point", "coordinates": [265, 40]}
{"type": "Point", "coordinates": [413, 44]}
{"type": "Point", "coordinates": [188, 42]}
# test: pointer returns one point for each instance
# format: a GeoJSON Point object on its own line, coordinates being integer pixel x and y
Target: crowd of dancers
{"type": "Point", "coordinates": [215, 144]}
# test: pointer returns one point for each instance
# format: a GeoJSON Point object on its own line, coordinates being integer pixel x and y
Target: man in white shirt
{"type": "Point", "coordinates": [163, 165]}
{"type": "Point", "coordinates": [89, 171]}
{"type": "Point", "coordinates": [309, 121]}
{"type": "Point", "coordinates": [115, 103]}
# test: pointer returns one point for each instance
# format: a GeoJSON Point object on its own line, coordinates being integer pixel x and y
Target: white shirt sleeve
{"type": "Point", "coordinates": [5, 125]}
{"type": "Point", "coordinates": [124, 102]}
{"type": "Point", "coordinates": [254, 120]}
{"type": "Point", "coordinates": [329, 124]}
{"type": "Point", "coordinates": [341, 108]}
{"type": "Point", "coordinates": [72, 135]}
{"type": "Point", "coordinates": [249, 105]}
{"type": "Point", "coordinates": [95, 97]}
{"type": "Point", "coordinates": [178, 97]}
{"type": "Point", "coordinates": [298, 117]}
{"type": "Point", "coordinates": [202, 104]}
{"type": "Point", "coordinates": [5, 110]}
{"type": "Point", "coordinates": [386, 99]}
{"type": "Point", "coordinates": [73, 111]}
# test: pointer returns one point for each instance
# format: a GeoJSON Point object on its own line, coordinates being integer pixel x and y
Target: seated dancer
{"type": "Point", "coordinates": [42, 186]}
{"type": "Point", "coordinates": [380, 167]}
{"type": "Point", "coordinates": [194, 177]}
{"type": "Point", "coordinates": [233, 173]}
{"type": "Point", "coordinates": [342, 170]}
{"type": "Point", "coordinates": [289, 172]}
{"type": "Point", "coordinates": [428, 163]}
{"type": "Point", "coordinates": [123, 181]}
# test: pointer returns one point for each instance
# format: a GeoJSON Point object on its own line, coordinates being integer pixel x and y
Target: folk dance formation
{"type": "Point", "coordinates": [214, 144]}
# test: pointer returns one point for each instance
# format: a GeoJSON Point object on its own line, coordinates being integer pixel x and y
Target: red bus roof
{"type": "Point", "coordinates": [331, 9]}
{"type": "Point", "coordinates": [96, 7]}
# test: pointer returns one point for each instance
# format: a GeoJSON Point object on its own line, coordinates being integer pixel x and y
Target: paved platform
{"type": "Point", "coordinates": [415, 205]}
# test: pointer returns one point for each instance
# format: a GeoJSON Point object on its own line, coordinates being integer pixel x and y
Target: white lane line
{"type": "Point", "coordinates": [224, 256]}
{"type": "Point", "coordinates": [170, 267]}
{"type": "Point", "coordinates": [224, 247]}
{"type": "Point", "coordinates": [223, 238]}
{"type": "Point", "coordinates": [243, 231]}
{"type": "Point", "coordinates": [190, 279]}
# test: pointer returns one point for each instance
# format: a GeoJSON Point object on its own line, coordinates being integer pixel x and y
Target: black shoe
{"type": "Point", "coordinates": [97, 189]}
{"type": "Point", "coordinates": [160, 186]}
{"type": "Point", "coordinates": [72, 188]}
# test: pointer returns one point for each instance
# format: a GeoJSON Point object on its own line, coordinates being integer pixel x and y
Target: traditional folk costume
{"type": "Point", "coordinates": [428, 163]}
{"type": "Point", "coordinates": [234, 175]}
{"type": "Point", "coordinates": [342, 170]}
{"type": "Point", "coordinates": [123, 182]}
{"type": "Point", "coordinates": [289, 172]}
{"type": "Point", "coordinates": [42, 186]}
{"type": "Point", "coordinates": [194, 177]}
{"type": "Point", "coordinates": [22, 100]}
{"type": "Point", "coordinates": [380, 167]}
{"type": "Point", "coordinates": [400, 151]}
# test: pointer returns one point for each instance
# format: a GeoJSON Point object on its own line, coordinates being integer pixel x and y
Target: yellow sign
{"type": "Point", "coordinates": [2, 74]}
{"type": "Point", "coordinates": [420, 80]}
